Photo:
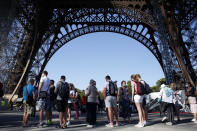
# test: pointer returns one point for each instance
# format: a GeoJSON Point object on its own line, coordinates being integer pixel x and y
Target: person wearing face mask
{"type": "Point", "coordinates": [123, 100]}
{"type": "Point", "coordinates": [191, 93]}
{"type": "Point", "coordinates": [179, 99]}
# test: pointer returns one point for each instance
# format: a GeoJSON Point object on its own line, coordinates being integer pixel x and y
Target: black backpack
{"type": "Point", "coordinates": [147, 88]}
{"type": "Point", "coordinates": [63, 91]}
{"type": "Point", "coordinates": [113, 89]}
{"type": "Point", "coordinates": [30, 99]}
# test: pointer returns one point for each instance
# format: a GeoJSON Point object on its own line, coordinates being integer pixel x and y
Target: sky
{"type": "Point", "coordinates": [95, 55]}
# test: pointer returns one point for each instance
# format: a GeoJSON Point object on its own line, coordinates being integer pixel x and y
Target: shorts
{"type": "Point", "coordinates": [193, 104]}
{"type": "Point", "coordinates": [138, 98]}
{"type": "Point", "coordinates": [110, 102]}
{"type": "Point", "coordinates": [193, 108]}
{"type": "Point", "coordinates": [42, 104]}
{"type": "Point", "coordinates": [61, 105]}
{"type": "Point", "coordinates": [28, 109]}
{"type": "Point", "coordinates": [70, 105]}
{"type": "Point", "coordinates": [50, 105]}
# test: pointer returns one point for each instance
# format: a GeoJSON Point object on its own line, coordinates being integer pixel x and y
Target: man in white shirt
{"type": "Point", "coordinates": [43, 96]}
{"type": "Point", "coordinates": [111, 103]}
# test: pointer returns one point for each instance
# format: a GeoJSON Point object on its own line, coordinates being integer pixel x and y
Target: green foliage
{"type": "Point", "coordinates": [129, 86]}
{"type": "Point", "coordinates": [156, 88]}
{"type": "Point", "coordinates": [82, 93]}
{"type": "Point", "coordinates": [101, 95]}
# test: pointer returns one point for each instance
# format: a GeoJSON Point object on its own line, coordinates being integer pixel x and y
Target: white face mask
{"type": "Point", "coordinates": [124, 84]}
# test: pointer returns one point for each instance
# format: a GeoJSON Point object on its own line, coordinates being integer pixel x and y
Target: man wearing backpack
{"type": "Point", "coordinates": [110, 94]}
{"type": "Point", "coordinates": [62, 91]}
{"type": "Point", "coordinates": [29, 100]}
{"type": "Point", "coordinates": [147, 91]}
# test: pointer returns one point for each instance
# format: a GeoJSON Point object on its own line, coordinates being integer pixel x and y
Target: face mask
{"type": "Point", "coordinates": [123, 84]}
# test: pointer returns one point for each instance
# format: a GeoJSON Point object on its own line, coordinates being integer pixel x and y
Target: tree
{"type": "Point", "coordinates": [156, 88]}
{"type": "Point", "coordinates": [129, 86]}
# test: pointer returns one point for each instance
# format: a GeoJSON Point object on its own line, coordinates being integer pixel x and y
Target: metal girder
{"type": "Point", "coordinates": [77, 32]}
{"type": "Point", "coordinates": [63, 20]}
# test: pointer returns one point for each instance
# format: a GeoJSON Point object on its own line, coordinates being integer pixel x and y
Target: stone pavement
{"type": "Point", "coordinates": [12, 121]}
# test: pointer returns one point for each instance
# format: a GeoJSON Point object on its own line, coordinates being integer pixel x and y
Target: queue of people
{"type": "Point", "coordinates": [64, 96]}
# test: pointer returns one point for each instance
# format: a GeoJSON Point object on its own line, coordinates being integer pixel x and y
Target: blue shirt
{"type": "Point", "coordinates": [28, 89]}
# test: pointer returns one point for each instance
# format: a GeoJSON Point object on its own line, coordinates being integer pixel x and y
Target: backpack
{"type": "Point", "coordinates": [63, 91]}
{"type": "Point", "coordinates": [140, 88]}
{"type": "Point", "coordinates": [113, 89]}
{"type": "Point", "coordinates": [147, 88]}
{"type": "Point", "coordinates": [30, 99]}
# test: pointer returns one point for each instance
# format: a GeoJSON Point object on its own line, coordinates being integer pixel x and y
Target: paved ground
{"type": "Point", "coordinates": [13, 121]}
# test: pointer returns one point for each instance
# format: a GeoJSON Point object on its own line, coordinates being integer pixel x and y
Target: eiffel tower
{"type": "Point", "coordinates": [32, 31]}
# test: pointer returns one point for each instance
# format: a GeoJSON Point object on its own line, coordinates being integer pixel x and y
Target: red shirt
{"type": "Point", "coordinates": [83, 100]}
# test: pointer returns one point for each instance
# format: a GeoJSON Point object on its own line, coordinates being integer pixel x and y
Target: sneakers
{"type": "Point", "coordinates": [109, 125]}
{"type": "Point", "coordinates": [50, 122]}
{"type": "Point", "coordinates": [164, 118]}
{"type": "Point", "coordinates": [146, 123]}
{"type": "Point", "coordinates": [193, 120]}
{"type": "Point", "coordinates": [40, 125]}
{"type": "Point", "coordinates": [117, 124]}
{"type": "Point", "coordinates": [169, 123]}
{"type": "Point", "coordinates": [140, 125]}
{"type": "Point", "coordinates": [68, 123]}
{"type": "Point", "coordinates": [90, 126]}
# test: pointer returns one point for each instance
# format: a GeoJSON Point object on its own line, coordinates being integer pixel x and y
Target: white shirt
{"type": "Point", "coordinates": [164, 98]}
{"type": "Point", "coordinates": [72, 93]}
{"type": "Point", "coordinates": [46, 83]}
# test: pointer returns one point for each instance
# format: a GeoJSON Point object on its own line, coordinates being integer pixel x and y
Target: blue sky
{"type": "Point", "coordinates": [93, 56]}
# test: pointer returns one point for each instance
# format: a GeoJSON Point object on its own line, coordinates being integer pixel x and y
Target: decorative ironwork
{"type": "Point", "coordinates": [48, 25]}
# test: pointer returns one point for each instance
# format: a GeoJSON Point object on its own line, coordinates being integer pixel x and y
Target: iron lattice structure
{"type": "Point", "coordinates": [167, 28]}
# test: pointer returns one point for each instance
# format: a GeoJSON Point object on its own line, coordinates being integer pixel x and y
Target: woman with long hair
{"type": "Point", "coordinates": [191, 93]}
{"type": "Point", "coordinates": [70, 101]}
{"type": "Point", "coordinates": [138, 99]}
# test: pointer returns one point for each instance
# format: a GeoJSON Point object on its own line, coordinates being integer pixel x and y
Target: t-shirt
{"type": "Point", "coordinates": [133, 86]}
{"type": "Point", "coordinates": [107, 88]}
{"type": "Point", "coordinates": [84, 100]}
{"type": "Point", "coordinates": [52, 94]}
{"type": "Point", "coordinates": [124, 93]}
{"type": "Point", "coordinates": [29, 89]}
{"type": "Point", "coordinates": [72, 93]}
{"type": "Point", "coordinates": [163, 94]}
{"type": "Point", "coordinates": [58, 86]}
{"type": "Point", "coordinates": [46, 84]}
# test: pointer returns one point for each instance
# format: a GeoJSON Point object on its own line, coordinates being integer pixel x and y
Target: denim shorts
{"type": "Point", "coordinates": [110, 102]}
